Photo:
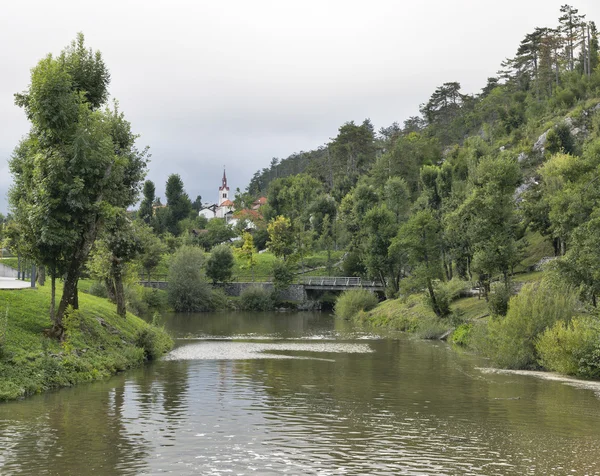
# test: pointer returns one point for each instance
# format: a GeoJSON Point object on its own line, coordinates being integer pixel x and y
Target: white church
{"type": "Point", "coordinates": [223, 208]}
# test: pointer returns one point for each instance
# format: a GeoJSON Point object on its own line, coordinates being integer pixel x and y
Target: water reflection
{"type": "Point", "coordinates": [340, 401]}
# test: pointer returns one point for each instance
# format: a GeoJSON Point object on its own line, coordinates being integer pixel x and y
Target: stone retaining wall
{"type": "Point", "coordinates": [7, 271]}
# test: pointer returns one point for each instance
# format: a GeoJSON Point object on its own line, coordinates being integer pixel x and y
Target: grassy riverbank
{"type": "Point", "coordinates": [544, 326]}
{"type": "Point", "coordinates": [99, 343]}
{"type": "Point", "coordinates": [415, 315]}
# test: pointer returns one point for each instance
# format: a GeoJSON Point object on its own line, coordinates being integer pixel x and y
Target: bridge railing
{"type": "Point", "coordinates": [348, 282]}
{"type": "Point", "coordinates": [331, 281]}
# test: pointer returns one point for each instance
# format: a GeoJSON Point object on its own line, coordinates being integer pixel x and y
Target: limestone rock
{"type": "Point", "coordinates": [540, 144]}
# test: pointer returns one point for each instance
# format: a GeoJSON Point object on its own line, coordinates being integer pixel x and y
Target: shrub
{"type": "Point", "coordinates": [498, 299]}
{"type": "Point", "coordinates": [256, 298]}
{"type": "Point", "coordinates": [187, 291]}
{"type": "Point", "coordinates": [510, 341]}
{"type": "Point", "coordinates": [98, 289]}
{"type": "Point", "coordinates": [219, 266]}
{"type": "Point", "coordinates": [559, 139]}
{"type": "Point", "coordinates": [153, 342]}
{"type": "Point", "coordinates": [571, 348]}
{"type": "Point", "coordinates": [566, 98]}
{"type": "Point", "coordinates": [219, 301]}
{"type": "Point", "coordinates": [446, 293]}
{"type": "Point", "coordinates": [431, 328]}
{"type": "Point", "coordinates": [282, 276]}
{"type": "Point", "coordinates": [462, 335]}
{"type": "Point", "coordinates": [134, 296]}
{"type": "Point", "coordinates": [155, 299]}
{"type": "Point", "coordinates": [351, 302]}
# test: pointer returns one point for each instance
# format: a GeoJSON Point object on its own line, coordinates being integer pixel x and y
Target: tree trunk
{"type": "Point", "coordinates": [434, 302]}
{"type": "Point", "coordinates": [75, 299]}
{"type": "Point", "coordinates": [72, 276]}
{"type": "Point", "coordinates": [110, 290]}
{"type": "Point", "coordinates": [589, 56]}
{"type": "Point", "coordinates": [120, 294]}
{"type": "Point", "coordinates": [556, 246]}
{"type": "Point", "coordinates": [53, 297]}
{"type": "Point", "coordinates": [41, 277]}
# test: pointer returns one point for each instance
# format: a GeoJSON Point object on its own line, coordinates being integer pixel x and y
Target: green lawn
{"type": "Point", "coordinates": [263, 269]}
{"type": "Point", "coordinates": [470, 308]}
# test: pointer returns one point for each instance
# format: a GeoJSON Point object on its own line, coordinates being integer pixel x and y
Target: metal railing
{"type": "Point", "coordinates": [335, 281]}
{"type": "Point", "coordinates": [339, 282]}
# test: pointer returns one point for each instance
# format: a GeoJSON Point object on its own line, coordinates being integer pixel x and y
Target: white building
{"type": "Point", "coordinates": [224, 206]}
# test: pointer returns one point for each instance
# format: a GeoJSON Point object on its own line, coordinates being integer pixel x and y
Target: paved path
{"type": "Point", "coordinates": [13, 283]}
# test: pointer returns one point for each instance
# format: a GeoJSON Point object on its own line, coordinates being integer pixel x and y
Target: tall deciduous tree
{"type": "Point", "coordinates": [75, 166]}
{"type": "Point", "coordinates": [420, 237]}
{"type": "Point", "coordinates": [281, 237]}
{"type": "Point", "coordinates": [247, 253]}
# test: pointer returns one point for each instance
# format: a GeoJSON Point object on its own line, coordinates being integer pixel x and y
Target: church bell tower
{"type": "Point", "coordinates": [223, 190]}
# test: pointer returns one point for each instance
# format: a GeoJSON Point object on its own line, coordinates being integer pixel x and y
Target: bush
{"type": "Point", "coordinates": [153, 342]}
{"type": "Point", "coordinates": [571, 348]}
{"type": "Point", "coordinates": [431, 328]}
{"type": "Point", "coordinates": [187, 291]}
{"type": "Point", "coordinates": [155, 299]}
{"type": "Point", "coordinates": [566, 98]}
{"type": "Point", "coordinates": [510, 341]}
{"type": "Point", "coordinates": [351, 302]}
{"type": "Point", "coordinates": [446, 293]}
{"type": "Point", "coordinates": [98, 289]}
{"type": "Point", "coordinates": [256, 298]}
{"type": "Point", "coordinates": [498, 299]}
{"type": "Point", "coordinates": [282, 276]}
{"type": "Point", "coordinates": [559, 139]}
{"type": "Point", "coordinates": [219, 266]}
{"type": "Point", "coordinates": [219, 301]}
{"type": "Point", "coordinates": [134, 296]}
{"type": "Point", "coordinates": [462, 335]}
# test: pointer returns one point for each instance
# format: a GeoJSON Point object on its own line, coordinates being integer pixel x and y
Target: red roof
{"type": "Point", "coordinates": [227, 203]}
{"type": "Point", "coordinates": [248, 214]}
{"type": "Point", "coordinates": [259, 202]}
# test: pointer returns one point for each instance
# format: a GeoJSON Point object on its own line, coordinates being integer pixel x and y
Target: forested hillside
{"type": "Point", "coordinates": [474, 189]}
{"type": "Point", "coordinates": [469, 178]}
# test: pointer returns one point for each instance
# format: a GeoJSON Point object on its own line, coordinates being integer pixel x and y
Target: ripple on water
{"type": "Point", "coordinates": [235, 350]}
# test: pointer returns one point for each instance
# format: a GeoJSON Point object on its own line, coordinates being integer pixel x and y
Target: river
{"type": "Point", "coordinates": [301, 394]}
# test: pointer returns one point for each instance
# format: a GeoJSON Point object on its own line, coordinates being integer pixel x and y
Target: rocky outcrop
{"type": "Point", "coordinates": [521, 189]}
{"type": "Point", "coordinates": [522, 157]}
{"type": "Point", "coordinates": [540, 144]}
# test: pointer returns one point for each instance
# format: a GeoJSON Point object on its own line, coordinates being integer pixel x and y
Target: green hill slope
{"type": "Point", "coordinates": [99, 343]}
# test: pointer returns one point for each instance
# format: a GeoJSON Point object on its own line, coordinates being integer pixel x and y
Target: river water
{"type": "Point", "coordinates": [246, 394]}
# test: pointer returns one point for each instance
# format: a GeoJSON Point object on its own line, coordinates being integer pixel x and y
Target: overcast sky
{"type": "Point", "coordinates": [234, 83]}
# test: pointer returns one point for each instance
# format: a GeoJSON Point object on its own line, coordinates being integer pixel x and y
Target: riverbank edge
{"type": "Point", "coordinates": [98, 343]}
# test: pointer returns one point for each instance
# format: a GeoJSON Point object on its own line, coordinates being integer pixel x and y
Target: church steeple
{"type": "Point", "coordinates": [224, 185]}
{"type": "Point", "coordinates": [223, 189]}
